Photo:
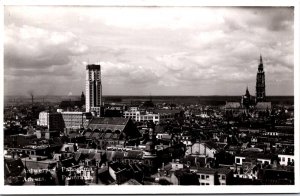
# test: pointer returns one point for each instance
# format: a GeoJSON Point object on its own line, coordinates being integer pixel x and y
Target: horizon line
{"type": "Point", "coordinates": [154, 95]}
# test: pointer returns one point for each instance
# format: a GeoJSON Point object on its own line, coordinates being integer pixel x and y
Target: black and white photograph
{"type": "Point", "coordinates": [191, 98]}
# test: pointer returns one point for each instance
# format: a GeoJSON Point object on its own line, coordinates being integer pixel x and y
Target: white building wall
{"type": "Point", "coordinates": [239, 160]}
{"type": "Point", "coordinates": [284, 159]}
{"type": "Point", "coordinates": [201, 149]}
{"type": "Point", "coordinates": [43, 119]}
{"type": "Point", "coordinates": [206, 179]}
{"type": "Point", "coordinates": [264, 161]}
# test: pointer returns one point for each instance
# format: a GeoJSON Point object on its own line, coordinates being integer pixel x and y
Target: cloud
{"type": "Point", "coordinates": [162, 50]}
{"type": "Point", "coordinates": [29, 47]}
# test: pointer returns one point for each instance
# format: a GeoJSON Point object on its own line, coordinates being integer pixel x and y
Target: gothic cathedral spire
{"type": "Point", "coordinates": [260, 82]}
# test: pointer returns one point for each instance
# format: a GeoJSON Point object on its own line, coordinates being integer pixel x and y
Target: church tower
{"type": "Point", "coordinates": [246, 99]}
{"type": "Point", "coordinates": [260, 83]}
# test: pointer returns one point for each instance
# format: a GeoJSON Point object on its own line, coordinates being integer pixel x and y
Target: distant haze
{"type": "Point", "coordinates": [148, 50]}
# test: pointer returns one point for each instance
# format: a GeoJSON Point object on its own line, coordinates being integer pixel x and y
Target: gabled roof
{"type": "Point", "coordinates": [108, 123]}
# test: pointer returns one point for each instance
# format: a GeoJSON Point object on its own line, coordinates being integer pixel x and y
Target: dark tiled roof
{"type": "Point", "coordinates": [119, 155]}
{"type": "Point", "coordinates": [256, 155]}
{"type": "Point", "coordinates": [263, 105]}
{"type": "Point", "coordinates": [79, 156]}
{"type": "Point", "coordinates": [211, 145]}
{"type": "Point", "coordinates": [223, 170]}
{"type": "Point", "coordinates": [91, 156]}
{"type": "Point", "coordinates": [116, 166]}
{"type": "Point", "coordinates": [13, 166]}
{"type": "Point", "coordinates": [74, 135]}
{"type": "Point", "coordinates": [232, 105]}
{"type": "Point", "coordinates": [109, 121]}
{"type": "Point", "coordinates": [134, 154]}
{"type": "Point", "coordinates": [205, 170]}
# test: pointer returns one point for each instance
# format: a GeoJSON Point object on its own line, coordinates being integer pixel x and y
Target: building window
{"type": "Point", "coordinates": [202, 177]}
{"type": "Point", "coordinates": [207, 176]}
{"type": "Point", "coordinates": [283, 159]}
{"type": "Point", "coordinates": [223, 177]}
{"type": "Point", "coordinates": [202, 183]}
{"type": "Point", "coordinates": [207, 184]}
{"type": "Point", "coordinates": [238, 160]}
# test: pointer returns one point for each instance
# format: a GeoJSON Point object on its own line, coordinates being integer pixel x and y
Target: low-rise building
{"type": "Point", "coordinates": [155, 116]}
{"type": "Point", "coordinates": [64, 120]}
{"type": "Point", "coordinates": [286, 159]}
{"type": "Point", "coordinates": [201, 149]}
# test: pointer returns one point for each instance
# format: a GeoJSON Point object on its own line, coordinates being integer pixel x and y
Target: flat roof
{"type": "Point", "coordinates": [93, 66]}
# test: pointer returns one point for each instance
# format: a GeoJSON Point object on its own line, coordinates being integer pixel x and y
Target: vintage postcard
{"type": "Point", "coordinates": [193, 97]}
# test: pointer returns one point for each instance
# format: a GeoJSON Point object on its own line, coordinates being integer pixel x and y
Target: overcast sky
{"type": "Point", "coordinates": [148, 50]}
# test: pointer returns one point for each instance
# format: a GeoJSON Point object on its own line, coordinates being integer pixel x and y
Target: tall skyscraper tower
{"type": "Point", "coordinates": [260, 82]}
{"type": "Point", "coordinates": [93, 89]}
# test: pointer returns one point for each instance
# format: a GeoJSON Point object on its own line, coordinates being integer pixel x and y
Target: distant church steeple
{"type": "Point", "coordinates": [246, 99]}
{"type": "Point", "coordinates": [247, 92]}
{"type": "Point", "coordinates": [260, 82]}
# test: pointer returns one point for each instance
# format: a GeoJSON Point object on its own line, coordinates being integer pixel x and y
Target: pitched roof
{"type": "Point", "coordinates": [223, 170]}
{"type": "Point", "coordinates": [109, 121]}
{"type": "Point", "coordinates": [205, 170]}
{"type": "Point", "coordinates": [263, 105]}
{"type": "Point", "coordinates": [233, 105]}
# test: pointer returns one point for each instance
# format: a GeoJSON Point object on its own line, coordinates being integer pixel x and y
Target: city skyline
{"type": "Point", "coordinates": [151, 51]}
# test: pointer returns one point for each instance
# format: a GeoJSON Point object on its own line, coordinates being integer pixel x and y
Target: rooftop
{"type": "Point", "coordinates": [93, 66]}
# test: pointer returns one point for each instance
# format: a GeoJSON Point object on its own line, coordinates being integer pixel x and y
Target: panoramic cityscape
{"type": "Point", "coordinates": [194, 97]}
